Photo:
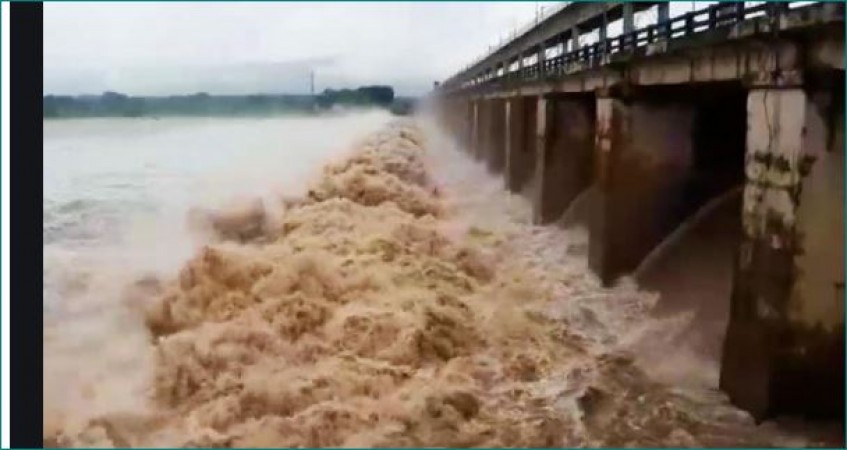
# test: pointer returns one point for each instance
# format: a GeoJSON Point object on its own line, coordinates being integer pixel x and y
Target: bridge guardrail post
{"type": "Point", "coordinates": [689, 23]}
{"type": "Point", "coordinates": [713, 16]}
{"type": "Point", "coordinates": [662, 20]}
{"type": "Point", "coordinates": [739, 11]}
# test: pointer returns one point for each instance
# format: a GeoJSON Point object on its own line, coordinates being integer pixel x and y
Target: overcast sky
{"type": "Point", "coordinates": [170, 48]}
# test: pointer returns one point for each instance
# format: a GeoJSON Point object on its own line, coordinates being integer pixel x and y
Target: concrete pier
{"type": "Point", "coordinates": [784, 347]}
{"type": "Point", "coordinates": [726, 141]}
{"type": "Point", "coordinates": [474, 128]}
{"type": "Point", "coordinates": [520, 144]}
{"type": "Point", "coordinates": [644, 153]}
{"type": "Point", "coordinates": [496, 149]}
{"type": "Point", "coordinates": [542, 115]}
{"type": "Point", "coordinates": [567, 155]}
{"type": "Point", "coordinates": [483, 128]}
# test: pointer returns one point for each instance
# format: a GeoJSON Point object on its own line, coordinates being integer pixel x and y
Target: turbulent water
{"type": "Point", "coordinates": [117, 193]}
{"type": "Point", "coordinates": [399, 297]}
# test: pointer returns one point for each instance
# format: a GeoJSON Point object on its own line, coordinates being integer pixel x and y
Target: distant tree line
{"type": "Point", "coordinates": [365, 95]}
{"type": "Point", "coordinates": [114, 104]}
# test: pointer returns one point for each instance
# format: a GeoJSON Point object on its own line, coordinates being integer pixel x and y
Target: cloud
{"type": "Point", "coordinates": [175, 47]}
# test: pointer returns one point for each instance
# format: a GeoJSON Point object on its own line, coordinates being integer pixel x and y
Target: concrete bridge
{"type": "Point", "coordinates": [705, 155]}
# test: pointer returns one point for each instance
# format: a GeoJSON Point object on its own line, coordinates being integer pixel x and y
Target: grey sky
{"type": "Point", "coordinates": [165, 48]}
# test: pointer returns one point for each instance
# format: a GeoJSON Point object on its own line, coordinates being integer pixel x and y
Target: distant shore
{"type": "Point", "coordinates": [243, 115]}
{"type": "Point", "coordinates": [114, 104]}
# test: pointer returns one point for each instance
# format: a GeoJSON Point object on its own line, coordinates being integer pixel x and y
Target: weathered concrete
{"type": "Point", "coordinates": [462, 122]}
{"type": "Point", "coordinates": [541, 120]}
{"type": "Point", "coordinates": [496, 148]}
{"type": "Point", "coordinates": [471, 129]}
{"type": "Point", "coordinates": [750, 61]}
{"type": "Point", "coordinates": [735, 51]}
{"type": "Point", "coordinates": [474, 128]}
{"type": "Point", "coordinates": [520, 150]}
{"type": "Point", "coordinates": [644, 153]}
{"type": "Point", "coordinates": [565, 165]}
{"type": "Point", "coordinates": [755, 242]}
{"type": "Point", "coordinates": [565, 19]}
{"type": "Point", "coordinates": [784, 349]}
{"type": "Point", "coordinates": [483, 140]}
{"type": "Point", "coordinates": [656, 158]}
{"type": "Point", "coordinates": [746, 61]}
{"type": "Point", "coordinates": [820, 223]}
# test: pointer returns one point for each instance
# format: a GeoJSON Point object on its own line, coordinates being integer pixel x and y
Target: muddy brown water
{"type": "Point", "coordinates": [405, 300]}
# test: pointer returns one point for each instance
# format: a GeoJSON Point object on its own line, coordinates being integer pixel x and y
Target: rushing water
{"type": "Point", "coordinates": [116, 194]}
{"type": "Point", "coordinates": [125, 184]}
{"type": "Point", "coordinates": [407, 300]}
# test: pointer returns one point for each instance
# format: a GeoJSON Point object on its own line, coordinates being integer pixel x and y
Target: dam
{"type": "Point", "coordinates": [704, 154]}
{"type": "Point", "coordinates": [614, 231]}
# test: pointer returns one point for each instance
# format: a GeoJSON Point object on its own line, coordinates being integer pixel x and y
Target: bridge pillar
{"type": "Point", "coordinates": [484, 124]}
{"type": "Point", "coordinates": [520, 142]}
{"type": "Point", "coordinates": [541, 119]}
{"type": "Point", "coordinates": [643, 154]}
{"type": "Point", "coordinates": [784, 346]}
{"type": "Point", "coordinates": [459, 117]}
{"type": "Point", "coordinates": [628, 18]}
{"type": "Point", "coordinates": [662, 16]}
{"type": "Point", "coordinates": [512, 110]}
{"type": "Point", "coordinates": [467, 124]}
{"type": "Point", "coordinates": [473, 148]}
{"type": "Point", "coordinates": [564, 163]}
{"type": "Point", "coordinates": [496, 151]}
{"type": "Point", "coordinates": [459, 121]}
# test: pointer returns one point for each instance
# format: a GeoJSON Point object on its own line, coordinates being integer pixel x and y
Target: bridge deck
{"type": "Point", "coordinates": [599, 64]}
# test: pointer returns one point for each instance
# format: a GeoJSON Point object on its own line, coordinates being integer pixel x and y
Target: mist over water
{"type": "Point", "coordinates": [116, 196]}
{"type": "Point", "coordinates": [115, 184]}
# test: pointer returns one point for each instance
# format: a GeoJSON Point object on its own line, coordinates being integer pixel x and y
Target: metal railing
{"type": "Point", "coordinates": [596, 54]}
{"type": "Point", "coordinates": [542, 16]}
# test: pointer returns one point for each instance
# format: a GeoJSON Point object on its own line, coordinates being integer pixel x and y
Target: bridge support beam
{"type": "Point", "coordinates": [476, 135]}
{"type": "Point", "coordinates": [520, 142]}
{"type": "Point", "coordinates": [478, 141]}
{"type": "Point", "coordinates": [628, 18]}
{"type": "Point", "coordinates": [564, 163]}
{"type": "Point", "coordinates": [663, 14]}
{"type": "Point", "coordinates": [784, 347]}
{"type": "Point", "coordinates": [541, 119]}
{"type": "Point", "coordinates": [643, 155]}
{"type": "Point", "coordinates": [466, 126]}
{"type": "Point", "coordinates": [496, 149]}
{"type": "Point", "coordinates": [486, 119]}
